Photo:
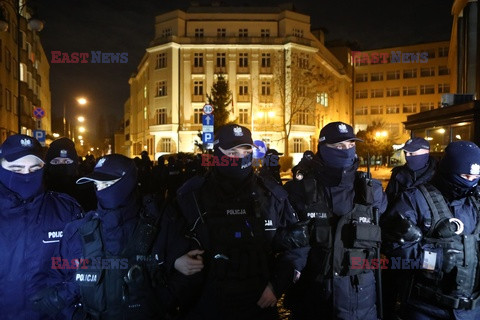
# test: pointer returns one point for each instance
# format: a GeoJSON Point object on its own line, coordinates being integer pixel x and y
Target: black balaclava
{"type": "Point", "coordinates": [25, 185]}
{"type": "Point", "coordinates": [337, 158]}
{"type": "Point", "coordinates": [417, 162]}
{"type": "Point", "coordinates": [461, 157]}
{"type": "Point", "coordinates": [120, 193]}
{"type": "Point", "coordinates": [236, 169]}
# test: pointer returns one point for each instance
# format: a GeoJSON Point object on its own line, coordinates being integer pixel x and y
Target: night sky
{"type": "Point", "coordinates": [128, 26]}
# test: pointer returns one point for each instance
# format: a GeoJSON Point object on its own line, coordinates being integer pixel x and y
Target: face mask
{"type": "Point", "coordinates": [337, 158]}
{"type": "Point", "coordinates": [235, 168]}
{"type": "Point", "coordinates": [59, 170]}
{"type": "Point", "coordinates": [25, 185]}
{"type": "Point", "coordinates": [463, 183]}
{"type": "Point", "coordinates": [118, 194]}
{"type": "Point", "coordinates": [417, 162]}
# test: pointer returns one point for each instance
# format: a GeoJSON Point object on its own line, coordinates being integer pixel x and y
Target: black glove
{"type": "Point", "coordinates": [296, 235]}
{"type": "Point", "coordinates": [402, 230]}
{"type": "Point", "coordinates": [47, 301]}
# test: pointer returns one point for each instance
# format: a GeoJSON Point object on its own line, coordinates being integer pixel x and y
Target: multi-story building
{"type": "Point", "coordinates": [392, 83]}
{"type": "Point", "coordinates": [285, 83]}
{"type": "Point", "coordinates": [34, 75]}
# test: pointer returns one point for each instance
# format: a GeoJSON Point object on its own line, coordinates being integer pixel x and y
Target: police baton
{"type": "Point", "coordinates": [378, 272]}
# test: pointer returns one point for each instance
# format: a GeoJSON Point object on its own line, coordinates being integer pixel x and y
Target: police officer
{"type": "Point", "coordinates": [271, 166]}
{"type": "Point", "coordinates": [31, 225]}
{"type": "Point", "coordinates": [342, 230]}
{"type": "Point", "coordinates": [232, 215]}
{"type": "Point", "coordinates": [445, 211]}
{"type": "Point", "coordinates": [109, 261]}
{"type": "Point", "coordinates": [61, 172]}
{"type": "Point", "coordinates": [418, 169]}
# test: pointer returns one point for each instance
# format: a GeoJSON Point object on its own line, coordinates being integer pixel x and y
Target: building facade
{"type": "Point", "coordinates": [392, 83]}
{"type": "Point", "coordinates": [285, 83]}
{"type": "Point", "coordinates": [34, 76]}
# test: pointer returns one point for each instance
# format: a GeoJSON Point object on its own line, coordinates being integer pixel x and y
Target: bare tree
{"type": "Point", "coordinates": [298, 79]}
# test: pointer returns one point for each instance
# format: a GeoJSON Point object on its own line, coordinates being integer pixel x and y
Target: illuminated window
{"type": "Point", "coordinates": [161, 89]}
{"type": "Point", "coordinates": [376, 93]}
{"type": "Point", "coordinates": [376, 110]}
{"type": "Point", "coordinates": [243, 116]}
{"type": "Point", "coordinates": [392, 109]}
{"type": "Point", "coordinates": [393, 92]}
{"type": "Point", "coordinates": [197, 115]}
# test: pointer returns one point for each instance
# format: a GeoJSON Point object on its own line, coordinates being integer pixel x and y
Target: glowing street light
{"type": "Point", "coordinates": [81, 129]}
{"type": "Point", "coordinates": [80, 137]}
{"type": "Point", "coordinates": [82, 101]}
{"type": "Point", "coordinates": [81, 119]}
{"type": "Point", "coordinates": [56, 135]}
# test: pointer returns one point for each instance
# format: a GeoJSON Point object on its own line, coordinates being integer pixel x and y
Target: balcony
{"type": "Point", "coordinates": [265, 98]}
{"type": "Point", "coordinates": [243, 98]}
{"type": "Point", "coordinates": [242, 70]}
{"type": "Point", "coordinates": [198, 70]}
{"type": "Point", "coordinates": [265, 70]}
{"type": "Point", "coordinates": [220, 70]}
{"type": "Point", "coordinates": [198, 98]}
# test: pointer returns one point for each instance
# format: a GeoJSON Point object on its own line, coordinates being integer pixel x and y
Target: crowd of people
{"type": "Point", "coordinates": [197, 238]}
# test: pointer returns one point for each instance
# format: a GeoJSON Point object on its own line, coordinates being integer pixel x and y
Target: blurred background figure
{"type": "Point", "coordinates": [271, 166]}
{"type": "Point", "coordinates": [419, 168]}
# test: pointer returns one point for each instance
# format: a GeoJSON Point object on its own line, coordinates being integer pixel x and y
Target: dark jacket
{"type": "Point", "coordinates": [199, 203]}
{"type": "Point", "coordinates": [403, 178]}
{"type": "Point", "coordinates": [29, 234]}
{"type": "Point", "coordinates": [327, 196]}
{"type": "Point", "coordinates": [117, 227]}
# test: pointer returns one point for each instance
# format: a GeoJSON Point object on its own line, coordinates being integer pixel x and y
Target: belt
{"type": "Point", "coordinates": [446, 300]}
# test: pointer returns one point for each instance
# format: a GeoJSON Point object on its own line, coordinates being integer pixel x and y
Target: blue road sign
{"type": "Point", "coordinates": [40, 136]}
{"type": "Point", "coordinates": [207, 119]}
{"type": "Point", "coordinates": [207, 137]}
{"type": "Point", "coordinates": [259, 153]}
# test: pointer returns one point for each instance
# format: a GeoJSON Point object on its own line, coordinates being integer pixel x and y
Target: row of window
{"type": "Point", "coordinates": [243, 91]}
{"type": "Point", "coordinates": [407, 74]}
{"type": "Point", "coordinates": [221, 60]}
{"type": "Point", "coordinates": [301, 118]}
{"type": "Point", "coordinates": [364, 59]}
{"type": "Point", "coordinates": [241, 33]}
{"type": "Point", "coordinates": [407, 91]}
{"type": "Point", "coordinates": [394, 108]}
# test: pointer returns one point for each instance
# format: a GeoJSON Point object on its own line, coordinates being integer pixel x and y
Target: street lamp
{"type": "Point", "coordinates": [81, 101]}
{"type": "Point", "coordinates": [35, 25]}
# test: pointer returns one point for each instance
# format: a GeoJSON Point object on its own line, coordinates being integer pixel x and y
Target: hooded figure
{"type": "Point", "coordinates": [61, 172]}
{"type": "Point", "coordinates": [31, 225]}
{"type": "Point", "coordinates": [445, 212]}
{"type": "Point", "coordinates": [325, 192]}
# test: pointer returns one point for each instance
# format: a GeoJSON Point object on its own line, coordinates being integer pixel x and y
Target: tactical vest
{"type": "Point", "coordinates": [447, 289]}
{"type": "Point", "coordinates": [233, 235]}
{"type": "Point", "coordinates": [105, 289]}
{"type": "Point", "coordinates": [338, 243]}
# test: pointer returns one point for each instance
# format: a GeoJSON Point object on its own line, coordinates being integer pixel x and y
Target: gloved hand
{"type": "Point", "coordinates": [47, 301]}
{"type": "Point", "coordinates": [296, 235]}
{"type": "Point", "coordinates": [451, 254]}
{"type": "Point", "coordinates": [401, 229]}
